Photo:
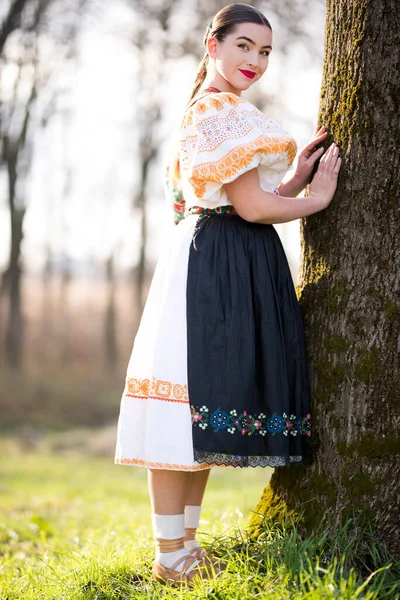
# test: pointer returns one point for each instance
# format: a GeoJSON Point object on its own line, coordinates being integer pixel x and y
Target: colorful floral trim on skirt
{"type": "Point", "coordinates": [220, 210]}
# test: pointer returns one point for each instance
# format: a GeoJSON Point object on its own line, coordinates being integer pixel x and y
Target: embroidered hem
{"type": "Point", "coordinates": [231, 460]}
{"type": "Point", "coordinates": [159, 465]}
{"type": "Point", "coordinates": [246, 424]}
{"type": "Point", "coordinates": [156, 389]}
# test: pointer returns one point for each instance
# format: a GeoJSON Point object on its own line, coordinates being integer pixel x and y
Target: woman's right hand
{"type": "Point", "coordinates": [324, 182]}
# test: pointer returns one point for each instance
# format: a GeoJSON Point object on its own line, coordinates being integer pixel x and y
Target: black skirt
{"type": "Point", "coordinates": [247, 365]}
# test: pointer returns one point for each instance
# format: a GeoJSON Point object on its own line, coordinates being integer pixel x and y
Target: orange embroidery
{"type": "Point", "coordinates": [178, 391]}
{"type": "Point", "coordinates": [133, 386]}
{"type": "Point", "coordinates": [218, 102]}
{"type": "Point", "coordinates": [163, 389]}
{"type": "Point", "coordinates": [145, 387]}
{"type": "Point", "coordinates": [156, 389]}
{"type": "Point", "coordinates": [156, 465]}
{"type": "Point", "coordinates": [237, 160]}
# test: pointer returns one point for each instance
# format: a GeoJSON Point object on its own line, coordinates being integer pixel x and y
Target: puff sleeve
{"type": "Point", "coordinates": [222, 137]}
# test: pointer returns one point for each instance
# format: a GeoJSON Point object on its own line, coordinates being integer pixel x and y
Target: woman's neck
{"type": "Point", "coordinates": [220, 84]}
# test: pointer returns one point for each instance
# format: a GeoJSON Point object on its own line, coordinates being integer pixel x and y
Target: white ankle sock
{"type": "Point", "coordinates": [192, 520]}
{"type": "Point", "coordinates": [170, 527]}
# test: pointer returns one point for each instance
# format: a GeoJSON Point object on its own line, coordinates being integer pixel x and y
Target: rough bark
{"type": "Point", "coordinates": [349, 285]}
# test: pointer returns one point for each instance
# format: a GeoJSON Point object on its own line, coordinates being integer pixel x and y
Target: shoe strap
{"type": "Point", "coordinates": [198, 553]}
{"type": "Point", "coordinates": [187, 563]}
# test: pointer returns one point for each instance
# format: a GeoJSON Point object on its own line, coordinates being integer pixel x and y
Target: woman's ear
{"type": "Point", "coordinates": [212, 47]}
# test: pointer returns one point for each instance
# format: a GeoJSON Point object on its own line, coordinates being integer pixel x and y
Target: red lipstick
{"type": "Point", "coordinates": [249, 74]}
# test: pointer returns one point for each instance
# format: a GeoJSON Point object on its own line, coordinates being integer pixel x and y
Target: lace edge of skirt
{"type": "Point", "coordinates": [231, 460]}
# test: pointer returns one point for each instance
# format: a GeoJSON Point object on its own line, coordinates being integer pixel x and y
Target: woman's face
{"type": "Point", "coordinates": [242, 58]}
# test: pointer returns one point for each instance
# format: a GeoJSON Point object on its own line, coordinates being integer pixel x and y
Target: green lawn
{"type": "Point", "coordinates": [78, 527]}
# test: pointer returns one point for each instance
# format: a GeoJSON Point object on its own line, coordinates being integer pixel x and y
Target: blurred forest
{"type": "Point", "coordinates": [82, 210]}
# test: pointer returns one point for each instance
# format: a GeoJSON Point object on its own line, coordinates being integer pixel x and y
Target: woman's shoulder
{"type": "Point", "coordinates": [216, 103]}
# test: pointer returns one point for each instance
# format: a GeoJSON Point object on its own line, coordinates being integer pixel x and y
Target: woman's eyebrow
{"type": "Point", "coordinates": [243, 37]}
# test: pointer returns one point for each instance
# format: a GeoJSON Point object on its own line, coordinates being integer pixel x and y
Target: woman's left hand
{"type": "Point", "coordinates": [309, 156]}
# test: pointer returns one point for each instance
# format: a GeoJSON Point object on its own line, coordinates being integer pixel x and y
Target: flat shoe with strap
{"type": "Point", "coordinates": [201, 554]}
{"type": "Point", "coordinates": [171, 575]}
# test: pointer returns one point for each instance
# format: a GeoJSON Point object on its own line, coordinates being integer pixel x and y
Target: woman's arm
{"type": "Point", "coordinates": [257, 206]}
{"type": "Point", "coordinates": [305, 165]}
{"type": "Point", "coordinates": [292, 187]}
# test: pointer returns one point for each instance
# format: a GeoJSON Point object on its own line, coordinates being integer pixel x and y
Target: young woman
{"type": "Point", "coordinates": [218, 372]}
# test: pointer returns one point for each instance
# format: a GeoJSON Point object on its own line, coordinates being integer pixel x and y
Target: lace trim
{"type": "Point", "coordinates": [232, 460]}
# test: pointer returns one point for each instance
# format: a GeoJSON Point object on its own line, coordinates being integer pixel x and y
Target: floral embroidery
{"type": "Point", "coordinates": [246, 424]}
{"type": "Point", "coordinates": [219, 210]}
{"type": "Point", "coordinates": [222, 137]}
{"type": "Point", "coordinates": [175, 195]}
{"type": "Point", "coordinates": [218, 102]}
{"type": "Point", "coordinates": [200, 416]}
{"type": "Point", "coordinates": [156, 389]}
{"type": "Point", "coordinates": [238, 159]}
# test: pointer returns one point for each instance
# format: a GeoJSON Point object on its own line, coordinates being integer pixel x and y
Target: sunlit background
{"type": "Point", "coordinates": [92, 94]}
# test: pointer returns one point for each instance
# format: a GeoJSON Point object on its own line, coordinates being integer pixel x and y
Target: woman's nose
{"type": "Point", "coordinates": [254, 60]}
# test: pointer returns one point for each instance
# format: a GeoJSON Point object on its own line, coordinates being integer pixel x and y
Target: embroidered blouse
{"type": "Point", "coordinates": [223, 136]}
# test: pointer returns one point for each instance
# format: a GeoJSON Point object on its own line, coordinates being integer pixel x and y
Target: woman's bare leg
{"type": "Point", "coordinates": [194, 500]}
{"type": "Point", "coordinates": [168, 491]}
{"type": "Point", "coordinates": [197, 488]}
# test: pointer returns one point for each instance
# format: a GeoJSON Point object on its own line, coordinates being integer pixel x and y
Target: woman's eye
{"type": "Point", "coordinates": [263, 52]}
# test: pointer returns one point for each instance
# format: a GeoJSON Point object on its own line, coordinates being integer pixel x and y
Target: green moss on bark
{"type": "Point", "coordinates": [391, 308]}
{"type": "Point", "coordinates": [370, 446]}
{"type": "Point", "coordinates": [358, 485]}
{"type": "Point", "coordinates": [368, 365]}
{"type": "Point", "coordinates": [329, 377]}
{"type": "Point", "coordinates": [273, 507]}
{"type": "Point", "coordinates": [336, 343]}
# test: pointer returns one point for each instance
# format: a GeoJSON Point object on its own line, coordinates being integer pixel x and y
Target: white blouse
{"type": "Point", "coordinates": [223, 136]}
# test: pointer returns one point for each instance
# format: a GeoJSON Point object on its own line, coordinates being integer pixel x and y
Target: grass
{"type": "Point", "coordinates": [53, 399]}
{"type": "Point", "coordinates": [77, 527]}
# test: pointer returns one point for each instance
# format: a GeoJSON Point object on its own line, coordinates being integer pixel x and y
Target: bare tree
{"type": "Point", "coordinates": [110, 317]}
{"type": "Point", "coordinates": [19, 116]}
{"type": "Point", "coordinates": [12, 20]}
{"type": "Point", "coordinates": [15, 149]}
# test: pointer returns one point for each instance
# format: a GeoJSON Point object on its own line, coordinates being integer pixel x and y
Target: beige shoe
{"type": "Point", "coordinates": [170, 575]}
{"type": "Point", "coordinates": [201, 555]}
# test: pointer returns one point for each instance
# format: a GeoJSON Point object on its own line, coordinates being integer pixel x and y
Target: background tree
{"type": "Point", "coordinates": [111, 84]}
{"type": "Point", "coordinates": [20, 114]}
{"type": "Point", "coordinates": [349, 286]}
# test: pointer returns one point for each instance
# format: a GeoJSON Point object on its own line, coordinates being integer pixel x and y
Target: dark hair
{"type": "Point", "coordinates": [224, 23]}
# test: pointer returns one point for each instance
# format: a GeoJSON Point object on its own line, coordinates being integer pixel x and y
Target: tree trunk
{"type": "Point", "coordinates": [15, 331]}
{"type": "Point", "coordinates": [349, 286]}
{"type": "Point", "coordinates": [11, 279]}
{"type": "Point", "coordinates": [111, 347]}
{"type": "Point", "coordinates": [11, 21]}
